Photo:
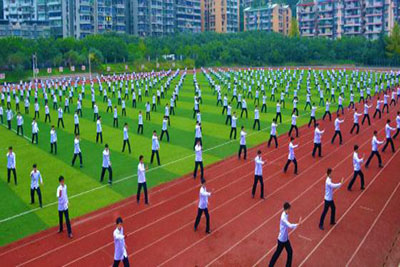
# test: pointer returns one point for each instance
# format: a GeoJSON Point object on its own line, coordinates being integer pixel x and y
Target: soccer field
{"type": "Point", "coordinates": [85, 191]}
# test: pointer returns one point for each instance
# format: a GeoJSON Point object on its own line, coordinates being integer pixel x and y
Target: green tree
{"type": "Point", "coordinates": [294, 28]}
{"type": "Point", "coordinates": [393, 42]}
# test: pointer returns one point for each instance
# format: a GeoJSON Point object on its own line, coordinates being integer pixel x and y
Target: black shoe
{"type": "Point", "coordinates": [349, 189]}
{"type": "Point", "coordinates": [263, 198]}
{"type": "Point", "coordinates": [321, 227]}
{"type": "Point", "coordinates": [195, 229]}
{"type": "Point", "coordinates": [208, 232]}
{"type": "Point", "coordinates": [333, 223]}
{"type": "Point", "coordinates": [70, 235]}
{"type": "Point", "coordinates": [381, 166]}
{"type": "Point", "coordinates": [362, 188]}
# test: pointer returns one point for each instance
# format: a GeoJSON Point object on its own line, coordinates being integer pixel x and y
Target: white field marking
{"type": "Point", "coordinates": [372, 226]}
{"type": "Point", "coordinates": [366, 208]}
{"type": "Point", "coordinates": [347, 211]}
{"type": "Point", "coordinates": [305, 238]}
{"type": "Point", "coordinates": [15, 131]}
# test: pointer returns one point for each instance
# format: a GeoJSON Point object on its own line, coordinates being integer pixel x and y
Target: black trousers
{"type": "Point", "coordinates": [233, 130]}
{"type": "Point", "coordinates": [291, 129]}
{"type": "Point", "coordinates": [9, 124]}
{"type": "Point", "coordinates": [329, 115]}
{"type": "Point", "coordinates": [278, 252]}
{"type": "Point", "coordinates": [53, 147]}
{"type": "Point", "coordinates": [47, 116]}
{"type": "Point", "coordinates": [80, 158]}
{"type": "Point", "coordinates": [162, 134]}
{"type": "Point", "coordinates": [147, 116]}
{"type": "Point", "coordinates": [275, 139]}
{"type": "Point", "coordinates": [385, 106]}
{"type": "Point", "coordinates": [9, 175]}
{"type": "Point", "coordinates": [125, 261]}
{"type": "Point", "coordinates": [140, 129]}
{"type": "Point", "coordinates": [103, 172]}
{"type": "Point", "coordinates": [366, 117]}
{"type": "Point", "coordinates": [356, 173]}
{"type": "Point", "coordinates": [155, 152]}
{"type": "Point", "coordinates": [33, 195]}
{"type": "Point", "coordinates": [76, 129]}
{"type": "Point", "coordinates": [256, 122]}
{"type": "Point", "coordinates": [378, 111]}
{"type": "Point", "coordinates": [140, 186]}
{"type": "Point", "coordinates": [19, 127]}
{"type": "Point", "coordinates": [196, 166]}
{"type": "Point", "coordinates": [228, 119]}
{"type": "Point", "coordinates": [264, 108]}
{"type": "Point", "coordinates": [67, 222]}
{"type": "Point", "coordinates": [319, 147]}
{"type": "Point", "coordinates": [258, 178]}
{"type": "Point", "coordinates": [115, 122]}
{"type": "Point", "coordinates": [35, 136]}
{"type": "Point", "coordinates": [340, 107]}
{"type": "Point", "coordinates": [337, 133]}
{"type": "Point", "coordinates": [126, 142]}
{"type": "Point", "coordinates": [95, 116]}
{"type": "Point", "coordinates": [60, 120]}
{"type": "Point", "coordinates": [244, 148]}
{"type": "Point", "coordinates": [388, 141]}
{"type": "Point", "coordinates": [394, 136]}
{"type": "Point", "coordinates": [278, 115]}
{"type": "Point", "coordinates": [99, 135]}
{"type": "Point", "coordinates": [244, 110]}
{"type": "Point", "coordinates": [374, 153]}
{"type": "Point", "coordinates": [312, 120]}
{"type": "Point", "coordinates": [355, 125]}
{"type": "Point", "coordinates": [198, 217]}
{"type": "Point", "coordinates": [288, 163]}
{"type": "Point", "coordinates": [223, 109]}
{"type": "Point", "coordinates": [328, 204]}
{"type": "Point", "coordinates": [308, 104]}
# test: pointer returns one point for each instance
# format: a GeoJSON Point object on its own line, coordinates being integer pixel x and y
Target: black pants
{"type": "Point", "coordinates": [355, 125]}
{"type": "Point", "coordinates": [378, 111]}
{"type": "Point", "coordinates": [256, 122]}
{"type": "Point", "coordinates": [80, 158]}
{"type": "Point", "coordinates": [356, 173]}
{"type": "Point", "coordinates": [366, 117]}
{"type": "Point", "coordinates": [228, 119]}
{"type": "Point", "coordinates": [9, 175]}
{"type": "Point", "coordinates": [115, 122]}
{"type": "Point", "coordinates": [60, 120]}
{"type": "Point", "coordinates": [35, 136]}
{"type": "Point", "coordinates": [291, 129]}
{"type": "Point", "coordinates": [278, 252]}
{"type": "Point", "coordinates": [123, 112]}
{"type": "Point", "coordinates": [337, 133]}
{"type": "Point", "coordinates": [140, 129]}
{"type": "Point", "coordinates": [328, 204]}
{"type": "Point", "coordinates": [95, 116]}
{"type": "Point", "coordinates": [308, 104]}
{"type": "Point", "coordinates": [155, 152]}
{"type": "Point", "coordinates": [394, 136]}
{"type": "Point", "coordinates": [103, 172]}
{"type": "Point", "coordinates": [99, 135]}
{"type": "Point", "coordinates": [33, 195]}
{"type": "Point", "coordinates": [374, 153]}
{"type": "Point", "coordinates": [162, 134]}
{"type": "Point", "coordinates": [351, 105]}
{"type": "Point", "coordinates": [388, 141]}
{"type": "Point", "coordinates": [319, 147]}
{"type": "Point", "coordinates": [36, 114]}
{"type": "Point", "coordinates": [288, 163]}
{"type": "Point", "coordinates": [312, 120]}
{"type": "Point", "coordinates": [244, 148]}
{"type": "Point", "coordinates": [125, 261]}
{"type": "Point", "coordinates": [264, 108]}
{"type": "Point", "coordinates": [223, 109]}
{"type": "Point", "coordinates": [198, 217]}
{"type": "Point", "coordinates": [126, 142]}
{"type": "Point", "coordinates": [147, 116]}
{"type": "Point", "coordinates": [53, 147]}
{"type": "Point", "coordinates": [244, 110]}
{"type": "Point", "coordinates": [47, 117]}
{"type": "Point", "coordinates": [233, 130]}
{"type": "Point", "coordinates": [327, 113]}
{"type": "Point", "coordinates": [67, 222]}
{"type": "Point", "coordinates": [278, 115]}
{"type": "Point", "coordinates": [76, 129]}
{"type": "Point", "coordinates": [140, 185]}
{"type": "Point", "coordinates": [196, 166]}
{"type": "Point", "coordinates": [19, 127]}
{"type": "Point", "coordinates": [340, 107]}
{"type": "Point", "coordinates": [387, 108]}
{"type": "Point", "coordinates": [275, 139]}
{"type": "Point", "coordinates": [134, 103]}
{"type": "Point", "coordinates": [258, 178]}
{"type": "Point", "coordinates": [9, 124]}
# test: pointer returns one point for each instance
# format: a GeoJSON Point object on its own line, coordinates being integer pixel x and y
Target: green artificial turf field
{"type": "Point", "coordinates": [18, 218]}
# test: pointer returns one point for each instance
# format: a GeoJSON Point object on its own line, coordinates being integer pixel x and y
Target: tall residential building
{"type": "Point", "coordinates": [220, 15]}
{"type": "Point", "coordinates": [270, 18]}
{"type": "Point", "coordinates": [188, 15]}
{"type": "Point", "coordinates": [337, 18]}
{"type": "Point", "coordinates": [19, 11]}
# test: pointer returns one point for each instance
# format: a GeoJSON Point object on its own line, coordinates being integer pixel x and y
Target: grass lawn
{"type": "Point", "coordinates": [177, 157]}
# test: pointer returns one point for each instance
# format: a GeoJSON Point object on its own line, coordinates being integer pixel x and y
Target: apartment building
{"type": "Point", "coordinates": [188, 15]}
{"type": "Point", "coordinates": [270, 18]}
{"type": "Point", "coordinates": [220, 15]}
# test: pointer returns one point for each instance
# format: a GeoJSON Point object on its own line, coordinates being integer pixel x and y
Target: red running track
{"type": "Point", "coordinates": [244, 230]}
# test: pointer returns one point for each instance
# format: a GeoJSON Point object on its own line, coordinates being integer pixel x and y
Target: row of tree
{"type": "Point", "coordinates": [205, 49]}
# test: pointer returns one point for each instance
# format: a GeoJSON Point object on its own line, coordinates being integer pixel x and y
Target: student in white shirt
{"type": "Point", "coordinates": [155, 147]}
{"type": "Point", "coordinates": [357, 169]}
{"type": "Point", "coordinates": [164, 129]}
{"type": "Point", "coordinates": [35, 130]}
{"type": "Point", "coordinates": [291, 156]}
{"type": "Point", "coordinates": [258, 175]}
{"type": "Point", "coordinates": [273, 133]}
{"type": "Point", "coordinates": [355, 122]}
{"type": "Point", "coordinates": [36, 106]}
{"type": "Point", "coordinates": [77, 151]}
{"type": "Point", "coordinates": [20, 124]}
{"type": "Point", "coordinates": [378, 108]}
{"type": "Point", "coordinates": [328, 199]}
{"type": "Point", "coordinates": [126, 139]}
{"type": "Point", "coordinates": [141, 173]}
{"type": "Point", "coordinates": [389, 140]}
{"type": "Point", "coordinates": [228, 114]}
{"type": "Point", "coordinates": [47, 113]}
{"type": "Point", "coordinates": [106, 165]}
{"type": "Point", "coordinates": [36, 178]}
{"type": "Point", "coordinates": [95, 112]}
{"type": "Point", "coordinates": [63, 206]}
{"type": "Point", "coordinates": [385, 103]}
{"type": "Point", "coordinates": [256, 118]}
{"type": "Point", "coordinates": [140, 123]}
{"type": "Point", "coordinates": [340, 105]}
{"type": "Point", "coordinates": [10, 115]}
{"type": "Point", "coordinates": [244, 108]}
{"type": "Point", "coordinates": [11, 165]}
{"type": "Point", "coordinates": [147, 110]}
{"type": "Point", "coordinates": [203, 207]}
{"type": "Point", "coordinates": [317, 141]}
{"type": "Point", "coordinates": [60, 117]}
{"type": "Point", "coordinates": [198, 161]}
{"type": "Point", "coordinates": [53, 140]}
{"type": "Point", "coordinates": [283, 237]}
{"type": "Point", "coordinates": [366, 114]}
{"type": "Point", "coordinates": [338, 121]}
{"type": "Point", "coordinates": [76, 123]}
{"type": "Point", "coordinates": [397, 125]}
{"type": "Point", "coordinates": [374, 151]}
{"type": "Point", "coordinates": [115, 116]}
{"type": "Point", "coordinates": [295, 110]}
{"type": "Point", "coordinates": [278, 112]}
{"type": "Point", "coordinates": [312, 116]}
{"type": "Point", "coordinates": [197, 134]}
{"type": "Point", "coordinates": [120, 253]}
{"type": "Point", "coordinates": [233, 126]}
{"type": "Point", "coordinates": [242, 143]}
{"type": "Point", "coordinates": [294, 126]}
{"type": "Point", "coordinates": [99, 130]}
{"type": "Point", "coordinates": [327, 111]}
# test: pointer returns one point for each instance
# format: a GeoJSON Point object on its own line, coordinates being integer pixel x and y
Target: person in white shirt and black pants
{"type": "Point", "coordinates": [317, 141]}
{"type": "Point", "coordinates": [11, 163]}
{"type": "Point", "coordinates": [258, 175]}
{"type": "Point", "coordinates": [357, 169]}
{"type": "Point", "coordinates": [198, 161]}
{"type": "Point", "coordinates": [203, 207]}
{"type": "Point", "coordinates": [155, 147]}
{"type": "Point", "coordinates": [99, 130]}
{"type": "Point", "coordinates": [120, 253]}
{"type": "Point", "coordinates": [106, 165]}
{"type": "Point", "coordinates": [338, 121]}
{"type": "Point", "coordinates": [273, 134]}
{"type": "Point", "coordinates": [329, 186]}
{"type": "Point", "coordinates": [63, 206]}
{"type": "Point", "coordinates": [197, 134]}
{"type": "Point", "coordinates": [283, 237]}
{"type": "Point", "coordinates": [291, 156]}
{"type": "Point", "coordinates": [53, 140]}
{"type": "Point", "coordinates": [233, 126]}
{"type": "Point", "coordinates": [375, 152]}
{"type": "Point", "coordinates": [36, 177]}
{"type": "Point", "coordinates": [77, 151]}
{"type": "Point", "coordinates": [388, 132]}
{"type": "Point", "coordinates": [141, 173]}
{"type": "Point", "coordinates": [164, 129]}
{"type": "Point", "coordinates": [35, 130]}
{"type": "Point", "coordinates": [242, 144]}
{"type": "Point", "coordinates": [126, 139]}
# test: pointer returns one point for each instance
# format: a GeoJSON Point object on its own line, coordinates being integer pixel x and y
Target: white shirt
{"type": "Point", "coordinates": [35, 128]}
{"type": "Point", "coordinates": [357, 162]}
{"type": "Point", "coordinates": [20, 120]}
{"type": "Point", "coordinates": [313, 109]}
{"type": "Point", "coordinates": [243, 138]}
{"type": "Point", "coordinates": [98, 126]}
{"type": "Point", "coordinates": [35, 177]}
{"type": "Point", "coordinates": [329, 186]}
{"type": "Point", "coordinates": [258, 166]}
{"type": "Point", "coordinates": [106, 159]}
{"type": "Point", "coordinates": [233, 124]}
{"type": "Point", "coordinates": [375, 143]}
{"type": "Point", "coordinates": [63, 199]}
{"type": "Point", "coordinates": [126, 137]}
{"type": "Point", "coordinates": [199, 153]}
{"type": "Point", "coordinates": [141, 173]}
{"type": "Point", "coordinates": [337, 124]}
{"type": "Point", "coordinates": [317, 135]}
{"type": "Point", "coordinates": [11, 160]}
{"type": "Point", "coordinates": [155, 145]}
{"type": "Point", "coordinates": [284, 225]}
{"type": "Point", "coordinates": [77, 148]}
{"type": "Point", "coordinates": [203, 198]}
{"type": "Point", "coordinates": [198, 131]}
{"type": "Point", "coordinates": [119, 244]}
{"type": "Point", "coordinates": [294, 118]}
{"type": "Point", "coordinates": [291, 155]}
{"type": "Point", "coordinates": [388, 130]}
{"type": "Point", "coordinates": [53, 136]}
{"type": "Point", "coordinates": [164, 124]}
{"type": "Point", "coordinates": [398, 121]}
{"type": "Point", "coordinates": [140, 118]}
{"type": "Point", "coordinates": [355, 117]}
{"type": "Point", "coordinates": [273, 128]}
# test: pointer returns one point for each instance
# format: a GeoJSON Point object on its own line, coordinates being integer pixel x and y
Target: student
{"type": "Point", "coordinates": [203, 207]}
{"type": "Point", "coordinates": [278, 112]}
{"type": "Point", "coordinates": [115, 121]}
{"type": "Point", "coordinates": [66, 107]}
{"type": "Point", "coordinates": [258, 175]}
{"type": "Point", "coordinates": [378, 108]}
{"type": "Point", "coordinates": [327, 112]}
{"type": "Point", "coordinates": [20, 124]}
{"type": "Point", "coordinates": [147, 110]}
{"type": "Point", "coordinates": [120, 253]}
{"type": "Point", "coordinates": [36, 177]}
{"type": "Point", "coordinates": [11, 165]}
{"type": "Point", "coordinates": [53, 140]}
{"type": "Point", "coordinates": [338, 121]}
{"type": "Point", "coordinates": [77, 151]}
{"type": "Point", "coordinates": [106, 165]}
{"type": "Point", "coordinates": [76, 123]}
{"type": "Point", "coordinates": [273, 134]}
{"type": "Point", "coordinates": [256, 118]}
{"type": "Point", "coordinates": [95, 112]}
{"type": "Point", "coordinates": [340, 105]}
{"type": "Point", "coordinates": [317, 141]}
{"type": "Point", "coordinates": [1, 114]}
{"type": "Point", "coordinates": [155, 147]}
{"type": "Point", "coordinates": [295, 110]}
{"type": "Point", "coordinates": [264, 103]}
{"type": "Point", "coordinates": [109, 105]}
{"type": "Point", "coordinates": [140, 123]}
{"type": "Point", "coordinates": [385, 103]}
{"type": "Point", "coordinates": [99, 131]}
{"type": "Point", "coordinates": [228, 114]}
{"type": "Point", "coordinates": [291, 156]}
{"type": "Point", "coordinates": [166, 114]}
{"type": "Point", "coordinates": [244, 108]}
{"type": "Point", "coordinates": [283, 237]}
{"type": "Point", "coordinates": [47, 113]}
{"type": "Point", "coordinates": [328, 200]}
{"type": "Point", "coordinates": [312, 116]}
{"type": "Point", "coordinates": [197, 134]}
{"type": "Point", "coordinates": [60, 117]}
{"type": "Point", "coordinates": [374, 151]}
{"type": "Point", "coordinates": [10, 115]}
{"type": "Point", "coordinates": [233, 126]}
{"type": "Point", "coordinates": [35, 130]}
{"type": "Point", "coordinates": [355, 120]}
{"type": "Point", "coordinates": [198, 161]}
{"type": "Point", "coordinates": [308, 101]}
{"type": "Point", "coordinates": [242, 143]}
{"type": "Point", "coordinates": [63, 206]}
{"type": "Point", "coordinates": [294, 126]}
{"type": "Point", "coordinates": [126, 139]}
{"type": "Point", "coordinates": [123, 106]}
{"type": "Point", "coordinates": [164, 129]}
{"type": "Point", "coordinates": [388, 132]}
{"type": "Point", "coordinates": [141, 173]}
{"type": "Point", "coordinates": [397, 125]}
{"type": "Point", "coordinates": [36, 107]}
{"type": "Point", "coordinates": [366, 115]}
